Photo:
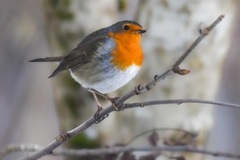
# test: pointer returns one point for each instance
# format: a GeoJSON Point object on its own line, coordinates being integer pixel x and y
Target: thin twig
{"type": "Point", "coordinates": [179, 102]}
{"type": "Point", "coordinates": [138, 90]}
{"type": "Point", "coordinates": [197, 41]}
{"type": "Point", "coordinates": [175, 66]}
{"type": "Point", "coordinates": [123, 149]}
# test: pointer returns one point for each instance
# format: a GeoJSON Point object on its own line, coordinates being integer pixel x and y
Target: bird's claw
{"type": "Point", "coordinates": [117, 106]}
{"type": "Point", "coordinates": [97, 117]}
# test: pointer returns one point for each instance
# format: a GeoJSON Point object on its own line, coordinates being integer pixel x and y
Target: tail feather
{"type": "Point", "coordinates": [55, 72]}
{"type": "Point", "coordinates": [47, 59]}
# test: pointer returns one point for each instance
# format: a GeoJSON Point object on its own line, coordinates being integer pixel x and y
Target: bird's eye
{"type": "Point", "coordinates": [126, 27]}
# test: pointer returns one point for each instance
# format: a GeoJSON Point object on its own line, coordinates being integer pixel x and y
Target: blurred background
{"type": "Point", "coordinates": [35, 109]}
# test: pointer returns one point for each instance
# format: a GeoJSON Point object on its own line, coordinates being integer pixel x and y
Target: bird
{"type": "Point", "coordinates": [105, 60]}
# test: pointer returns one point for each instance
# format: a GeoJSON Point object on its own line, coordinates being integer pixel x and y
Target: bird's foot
{"type": "Point", "coordinates": [115, 104]}
{"type": "Point", "coordinates": [97, 116]}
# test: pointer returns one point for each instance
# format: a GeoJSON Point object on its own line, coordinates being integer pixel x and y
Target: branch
{"type": "Point", "coordinates": [138, 90]}
{"type": "Point", "coordinates": [161, 129]}
{"type": "Point", "coordinates": [179, 102]}
{"type": "Point", "coordinates": [17, 148]}
{"type": "Point", "coordinates": [117, 150]}
{"type": "Point", "coordinates": [175, 67]}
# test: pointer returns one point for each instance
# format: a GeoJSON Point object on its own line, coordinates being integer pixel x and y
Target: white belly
{"type": "Point", "coordinates": [115, 81]}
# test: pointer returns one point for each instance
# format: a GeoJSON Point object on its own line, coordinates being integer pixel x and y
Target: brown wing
{"type": "Point", "coordinates": [80, 55]}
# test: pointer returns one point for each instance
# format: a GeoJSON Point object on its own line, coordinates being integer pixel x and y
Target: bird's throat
{"type": "Point", "coordinates": [128, 50]}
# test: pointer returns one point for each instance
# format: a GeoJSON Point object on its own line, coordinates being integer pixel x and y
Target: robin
{"type": "Point", "coordinates": [105, 60]}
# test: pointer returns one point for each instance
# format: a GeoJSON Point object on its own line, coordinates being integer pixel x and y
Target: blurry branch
{"type": "Point", "coordinates": [18, 148]}
{"type": "Point", "coordinates": [192, 134]}
{"type": "Point", "coordinates": [120, 101]}
{"type": "Point", "coordinates": [118, 150]}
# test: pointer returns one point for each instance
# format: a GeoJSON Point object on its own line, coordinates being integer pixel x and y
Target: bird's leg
{"type": "Point", "coordinates": [112, 100]}
{"type": "Point", "coordinates": [99, 107]}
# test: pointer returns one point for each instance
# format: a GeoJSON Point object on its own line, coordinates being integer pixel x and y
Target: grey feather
{"type": "Point", "coordinates": [81, 55]}
{"type": "Point", "coordinates": [47, 59]}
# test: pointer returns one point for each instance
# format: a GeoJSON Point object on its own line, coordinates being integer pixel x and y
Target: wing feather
{"type": "Point", "coordinates": [80, 55]}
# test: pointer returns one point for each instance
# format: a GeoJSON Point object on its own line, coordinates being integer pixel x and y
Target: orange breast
{"type": "Point", "coordinates": [128, 50]}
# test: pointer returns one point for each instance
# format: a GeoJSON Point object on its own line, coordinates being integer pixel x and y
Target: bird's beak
{"type": "Point", "coordinates": [141, 31]}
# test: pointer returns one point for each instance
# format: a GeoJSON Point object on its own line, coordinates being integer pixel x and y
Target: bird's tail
{"type": "Point", "coordinates": [47, 59]}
